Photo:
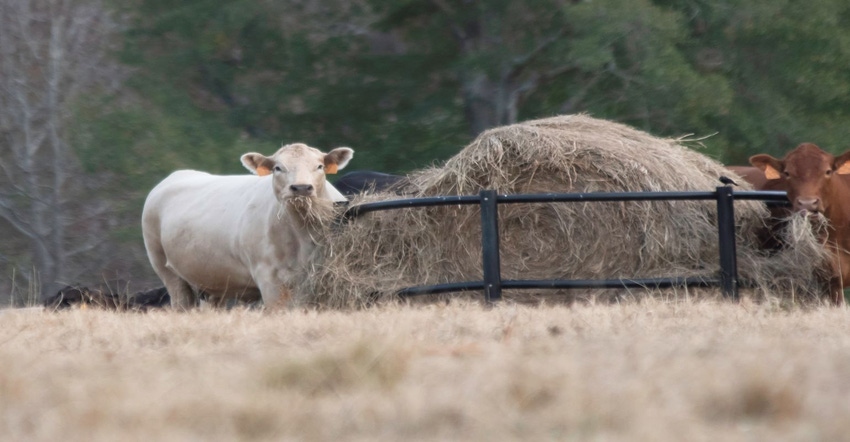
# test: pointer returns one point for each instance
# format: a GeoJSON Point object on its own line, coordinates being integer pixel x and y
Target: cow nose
{"type": "Point", "coordinates": [810, 204]}
{"type": "Point", "coordinates": [301, 189]}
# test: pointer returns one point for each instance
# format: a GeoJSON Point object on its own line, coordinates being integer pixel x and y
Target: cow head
{"type": "Point", "coordinates": [298, 171]}
{"type": "Point", "coordinates": [808, 174]}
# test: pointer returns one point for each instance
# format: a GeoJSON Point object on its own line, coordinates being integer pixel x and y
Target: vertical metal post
{"type": "Point", "coordinates": [490, 246]}
{"type": "Point", "coordinates": [726, 230]}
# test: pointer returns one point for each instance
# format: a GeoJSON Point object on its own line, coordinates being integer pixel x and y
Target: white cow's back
{"type": "Point", "coordinates": [200, 220]}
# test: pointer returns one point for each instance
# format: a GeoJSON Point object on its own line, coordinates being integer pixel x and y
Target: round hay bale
{"type": "Point", "coordinates": [379, 253]}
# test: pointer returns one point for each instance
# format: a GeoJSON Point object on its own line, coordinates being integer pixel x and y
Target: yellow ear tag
{"type": "Point", "coordinates": [263, 171]}
{"type": "Point", "coordinates": [844, 169]}
{"type": "Point", "coordinates": [330, 169]}
{"type": "Point", "coordinates": [771, 173]}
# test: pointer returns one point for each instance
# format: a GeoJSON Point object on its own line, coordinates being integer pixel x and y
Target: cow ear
{"type": "Point", "coordinates": [842, 164]}
{"type": "Point", "coordinates": [771, 167]}
{"type": "Point", "coordinates": [257, 163]}
{"type": "Point", "coordinates": [337, 159]}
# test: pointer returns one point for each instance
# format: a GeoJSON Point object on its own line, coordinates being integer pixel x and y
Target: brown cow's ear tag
{"type": "Point", "coordinates": [844, 169]}
{"type": "Point", "coordinates": [330, 169]}
{"type": "Point", "coordinates": [771, 173]}
{"type": "Point", "coordinates": [263, 171]}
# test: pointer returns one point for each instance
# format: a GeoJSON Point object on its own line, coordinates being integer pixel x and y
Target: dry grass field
{"type": "Point", "coordinates": [659, 370]}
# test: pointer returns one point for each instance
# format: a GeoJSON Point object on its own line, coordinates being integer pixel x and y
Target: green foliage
{"type": "Point", "coordinates": [214, 75]}
{"type": "Point", "coordinates": [630, 67]}
{"type": "Point", "coordinates": [787, 63]}
{"type": "Point", "coordinates": [396, 80]}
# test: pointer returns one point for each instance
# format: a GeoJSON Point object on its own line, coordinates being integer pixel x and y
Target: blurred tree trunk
{"type": "Point", "coordinates": [51, 52]}
{"type": "Point", "coordinates": [493, 91]}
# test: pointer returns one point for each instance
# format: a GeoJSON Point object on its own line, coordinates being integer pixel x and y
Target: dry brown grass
{"type": "Point", "coordinates": [645, 370]}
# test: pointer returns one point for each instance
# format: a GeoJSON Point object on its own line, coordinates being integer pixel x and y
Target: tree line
{"type": "Point", "coordinates": [100, 99]}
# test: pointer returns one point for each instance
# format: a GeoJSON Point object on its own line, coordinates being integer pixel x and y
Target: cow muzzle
{"type": "Point", "coordinates": [302, 189]}
{"type": "Point", "coordinates": [809, 205]}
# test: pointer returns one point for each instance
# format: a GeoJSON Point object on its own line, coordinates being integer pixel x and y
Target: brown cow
{"type": "Point", "coordinates": [752, 175]}
{"type": "Point", "coordinates": [769, 237]}
{"type": "Point", "coordinates": [817, 183]}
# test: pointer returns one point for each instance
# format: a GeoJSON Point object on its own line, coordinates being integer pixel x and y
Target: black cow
{"type": "Point", "coordinates": [70, 296]}
{"type": "Point", "coordinates": [366, 181]}
{"type": "Point", "coordinates": [154, 298]}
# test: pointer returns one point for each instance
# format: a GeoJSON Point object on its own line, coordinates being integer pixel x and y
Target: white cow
{"type": "Point", "coordinates": [240, 236]}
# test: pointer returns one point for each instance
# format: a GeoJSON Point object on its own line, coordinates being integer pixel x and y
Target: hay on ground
{"type": "Point", "coordinates": [382, 252]}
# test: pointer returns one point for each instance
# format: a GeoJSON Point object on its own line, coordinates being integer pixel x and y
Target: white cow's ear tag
{"type": "Point", "coordinates": [263, 171]}
{"type": "Point", "coordinates": [331, 169]}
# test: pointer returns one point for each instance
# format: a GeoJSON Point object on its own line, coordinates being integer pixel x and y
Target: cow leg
{"type": "Point", "coordinates": [841, 273]}
{"type": "Point", "coordinates": [182, 295]}
{"type": "Point", "coordinates": [275, 295]}
{"type": "Point", "coordinates": [842, 279]}
{"type": "Point", "coordinates": [285, 298]}
{"type": "Point", "coordinates": [836, 292]}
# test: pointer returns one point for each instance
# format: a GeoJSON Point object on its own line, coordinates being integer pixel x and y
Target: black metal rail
{"type": "Point", "coordinates": [489, 200]}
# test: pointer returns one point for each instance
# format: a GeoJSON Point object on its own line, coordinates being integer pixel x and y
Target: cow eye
{"type": "Point", "coordinates": [278, 169]}
{"type": "Point", "coordinates": [828, 172]}
{"type": "Point", "coordinates": [321, 166]}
